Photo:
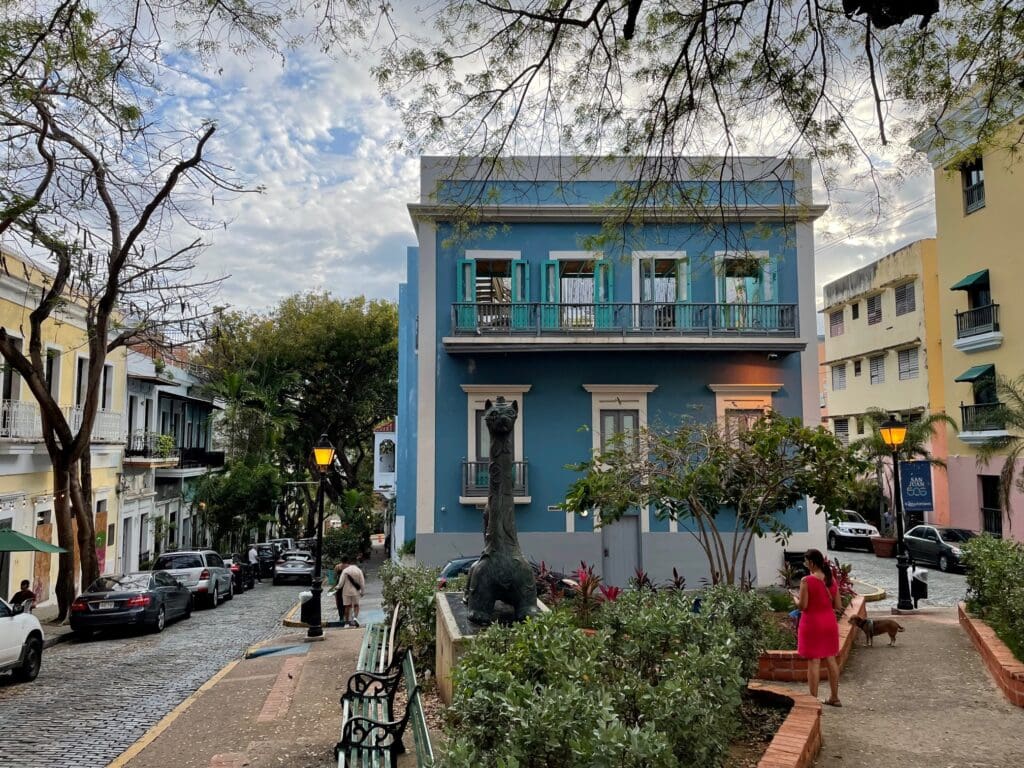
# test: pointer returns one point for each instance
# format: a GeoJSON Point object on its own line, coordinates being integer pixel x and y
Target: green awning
{"type": "Point", "coordinates": [13, 541]}
{"type": "Point", "coordinates": [972, 281]}
{"type": "Point", "coordinates": [977, 372]}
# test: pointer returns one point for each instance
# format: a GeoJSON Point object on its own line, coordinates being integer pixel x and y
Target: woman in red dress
{"type": "Point", "coordinates": [817, 634]}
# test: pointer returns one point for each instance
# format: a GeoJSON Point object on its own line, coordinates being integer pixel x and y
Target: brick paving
{"type": "Point", "coordinates": [94, 699]}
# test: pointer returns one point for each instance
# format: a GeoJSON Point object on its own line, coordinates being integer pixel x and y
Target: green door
{"type": "Point", "coordinates": [520, 294]}
{"type": "Point", "coordinates": [465, 296]}
{"type": "Point", "coordinates": [550, 295]}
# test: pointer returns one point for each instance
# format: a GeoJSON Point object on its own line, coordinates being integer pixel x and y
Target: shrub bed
{"type": "Point", "coordinates": [659, 683]}
{"type": "Point", "coordinates": [995, 583]}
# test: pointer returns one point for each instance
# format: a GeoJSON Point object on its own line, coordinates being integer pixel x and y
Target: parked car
{"type": "Point", "coordinates": [267, 554]}
{"type": "Point", "coordinates": [202, 571]}
{"type": "Point", "coordinates": [294, 566]}
{"type": "Point", "coordinates": [453, 568]}
{"type": "Point", "coordinates": [852, 530]}
{"type": "Point", "coordinates": [553, 580]}
{"type": "Point", "coordinates": [21, 641]}
{"type": "Point", "coordinates": [242, 574]}
{"type": "Point", "coordinates": [149, 599]}
{"type": "Point", "coordinates": [941, 546]}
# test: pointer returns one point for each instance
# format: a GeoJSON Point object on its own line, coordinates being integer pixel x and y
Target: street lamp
{"type": "Point", "coordinates": [893, 434]}
{"type": "Point", "coordinates": [323, 457]}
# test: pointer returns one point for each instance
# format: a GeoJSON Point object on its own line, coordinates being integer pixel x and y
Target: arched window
{"type": "Point", "coordinates": [387, 456]}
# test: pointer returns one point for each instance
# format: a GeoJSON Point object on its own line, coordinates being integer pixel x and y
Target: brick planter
{"type": "Point", "coordinates": [798, 740]}
{"type": "Point", "coordinates": [1002, 665]}
{"type": "Point", "coordinates": [788, 667]}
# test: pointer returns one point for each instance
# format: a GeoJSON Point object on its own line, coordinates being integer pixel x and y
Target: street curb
{"type": "Point", "coordinates": [57, 639]}
{"type": "Point", "coordinates": [165, 722]}
{"type": "Point", "coordinates": [289, 619]}
{"type": "Point", "coordinates": [874, 595]}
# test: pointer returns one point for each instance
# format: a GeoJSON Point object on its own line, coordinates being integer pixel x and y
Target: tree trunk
{"type": "Point", "coordinates": [65, 538]}
{"type": "Point", "coordinates": [86, 528]}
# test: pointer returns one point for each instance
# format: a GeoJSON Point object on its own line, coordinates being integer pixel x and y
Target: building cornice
{"type": "Point", "coordinates": [496, 389]}
{"type": "Point", "coordinates": [620, 389]}
{"type": "Point", "coordinates": [744, 389]}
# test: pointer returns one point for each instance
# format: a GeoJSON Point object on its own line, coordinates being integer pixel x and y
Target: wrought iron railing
{"type": "Point", "coordinates": [683, 319]}
{"type": "Point", "coordinates": [982, 417]}
{"type": "Point", "coordinates": [149, 445]}
{"type": "Point", "coordinates": [476, 476]}
{"type": "Point", "coordinates": [992, 521]}
{"type": "Point", "coordinates": [974, 196]}
{"type": "Point", "coordinates": [973, 322]}
{"type": "Point", "coordinates": [107, 427]}
{"type": "Point", "coordinates": [19, 420]}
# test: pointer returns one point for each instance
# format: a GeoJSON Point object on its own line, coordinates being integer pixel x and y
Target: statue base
{"type": "Point", "coordinates": [455, 632]}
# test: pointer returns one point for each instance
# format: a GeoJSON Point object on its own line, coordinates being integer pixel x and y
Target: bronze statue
{"type": "Point", "coordinates": [502, 572]}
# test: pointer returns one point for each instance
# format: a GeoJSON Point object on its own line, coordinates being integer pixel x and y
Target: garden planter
{"type": "Point", "coordinates": [884, 546]}
{"type": "Point", "coordinates": [798, 742]}
{"type": "Point", "coordinates": [787, 666]}
{"type": "Point", "coordinates": [1006, 670]}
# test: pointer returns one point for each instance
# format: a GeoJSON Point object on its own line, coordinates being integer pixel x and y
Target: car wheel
{"type": "Point", "coordinates": [161, 621]}
{"type": "Point", "coordinates": [32, 660]}
{"type": "Point", "coordinates": [214, 597]}
{"type": "Point", "coordinates": [188, 607]}
{"type": "Point", "coordinates": [230, 594]}
{"type": "Point", "coordinates": [944, 563]}
{"type": "Point", "coordinates": [833, 541]}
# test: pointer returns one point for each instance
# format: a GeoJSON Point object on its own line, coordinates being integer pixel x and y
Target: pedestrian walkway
{"type": "Point", "coordinates": [925, 703]}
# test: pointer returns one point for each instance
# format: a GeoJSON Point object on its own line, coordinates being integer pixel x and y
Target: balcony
{"type": "Point", "coordinates": [476, 476]}
{"type": "Point", "coordinates": [19, 421]}
{"type": "Point", "coordinates": [108, 426]}
{"type": "Point", "coordinates": [201, 457]}
{"type": "Point", "coordinates": [992, 521]}
{"type": "Point", "coordinates": [974, 197]}
{"type": "Point", "coordinates": [978, 329]}
{"type": "Point", "coordinates": [150, 449]}
{"type": "Point", "coordinates": [981, 422]}
{"type": "Point", "coordinates": [533, 326]}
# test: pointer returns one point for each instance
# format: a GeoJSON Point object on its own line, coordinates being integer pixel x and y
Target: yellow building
{"type": "Point", "coordinates": [883, 348]}
{"type": "Point", "coordinates": [26, 485]}
{"type": "Point", "coordinates": [978, 195]}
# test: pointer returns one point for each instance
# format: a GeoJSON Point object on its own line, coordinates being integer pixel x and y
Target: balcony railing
{"type": "Point", "coordinates": [476, 476]}
{"type": "Point", "coordinates": [19, 420]}
{"type": "Point", "coordinates": [148, 445]}
{"type": "Point", "coordinates": [974, 197]}
{"type": "Point", "coordinates": [992, 521]}
{"type": "Point", "coordinates": [682, 319]}
{"type": "Point", "coordinates": [200, 457]}
{"type": "Point", "coordinates": [108, 426]}
{"type": "Point", "coordinates": [974, 322]}
{"type": "Point", "coordinates": [982, 417]}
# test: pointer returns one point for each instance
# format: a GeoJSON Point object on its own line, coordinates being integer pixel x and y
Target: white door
{"type": "Point", "coordinates": [129, 557]}
{"type": "Point", "coordinates": [621, 549]}
{"type": "Point", "coordinates": [10, 636]}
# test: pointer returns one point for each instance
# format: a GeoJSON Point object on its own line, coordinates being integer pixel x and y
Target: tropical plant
{"type": "Point", "coordinates": [1010, 447]}
{"type": "Point", "coordinates": [916, 447]}
{"type": "Point", "coordinates": [415, 590]}
{"type": "Point", "coordinates": [724, 489]}
{"type": "Point", "coordinates": [995, 581]}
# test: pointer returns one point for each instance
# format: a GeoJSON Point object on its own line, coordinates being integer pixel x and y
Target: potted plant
{"type": "Point", "coordinates": [884, 546]}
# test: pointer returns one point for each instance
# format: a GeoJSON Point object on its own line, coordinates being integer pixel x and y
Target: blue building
{"type": "Point", "coordinates": [706, 310]}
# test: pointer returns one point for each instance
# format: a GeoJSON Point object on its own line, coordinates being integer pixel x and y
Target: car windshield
{"type": "Point", "coordinates": [854, 517]}
{"type": "Point", "coordinates": [956, 534]}
{"type": "Point", "coordinates": [179, 560]}
{"type": "Point", "coordinates": [128, 583]}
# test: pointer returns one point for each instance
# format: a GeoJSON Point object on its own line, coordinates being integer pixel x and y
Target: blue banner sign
{"type": "Point", "coordinates": [916, 486]}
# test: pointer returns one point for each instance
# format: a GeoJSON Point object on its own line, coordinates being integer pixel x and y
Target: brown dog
{"type": "Point", "coordinates": [872, 627]}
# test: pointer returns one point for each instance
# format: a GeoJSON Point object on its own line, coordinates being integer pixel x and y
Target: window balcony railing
{"type": "Point", "coordinates": [19, 420]}
{"type": "Point", "coordinates": [476, 477]}
{"type": "Point", "coordinates": [681, 319]}
{"type": "Point", "coordinates": [108, 426]}
{"type": "Point", "coordinates": [992, 521]}
{"type": "Point", "coordinates": [974, 197]}
{"type": "Point", "coordinates": [148, 445]}
{"type": "Point", "coordinates": [982, 417]}
{"type": "Point", "coordinates": [974, 322]}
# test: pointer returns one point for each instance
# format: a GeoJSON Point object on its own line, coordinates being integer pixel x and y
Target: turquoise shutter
{"type": "Point", "coordinates": [550, 298]}
{"type": "Point", "coordinates": [603, 292]}
{"type": "Point", "coordinates": [682, 293]}
{"type": "Point", "coordinates": [520, 294]}
{"type": "Point", "coordinates": [465, 295]}
{"type": "Point", "coordinates": [769, 294]}
{"type": "Point", "coordinates": [646, 311]}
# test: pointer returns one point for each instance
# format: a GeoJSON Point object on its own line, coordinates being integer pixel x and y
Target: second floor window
{"type": "Point", "coordinates": [835, 323]}
{"type": "Point", "coordinates": [877, 365]}
{"type": "Point", "coordinates": [905, 301]}
{"type": "Point", "coordinates": [838, 377]}
{"type": "Point", "coordinates": [841, 427]}
{"type": "Point", "coordinates": [875, 309]}
{"type": "Point", "coordinates": [972, 176]}
{"type": "Point", "coordinates": [908, 363]}
{"type": "Point", "coordinates": [615, 422]}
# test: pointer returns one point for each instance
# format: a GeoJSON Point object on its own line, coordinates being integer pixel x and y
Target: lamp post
{"type": "Point", "coordinates": [323, 457]}
{"type": "Point", "coordinates": [894, 433]}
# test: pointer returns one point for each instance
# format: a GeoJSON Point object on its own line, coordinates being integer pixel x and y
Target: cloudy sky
{"type": "Point", "coordinates": [316, 135]}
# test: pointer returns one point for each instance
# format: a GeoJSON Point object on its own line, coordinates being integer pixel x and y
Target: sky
{"type": "Point", "coordinates": [316, 135]}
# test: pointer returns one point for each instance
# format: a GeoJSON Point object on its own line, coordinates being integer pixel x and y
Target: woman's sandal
{"type": "Point", "coordinates": [833, 702]}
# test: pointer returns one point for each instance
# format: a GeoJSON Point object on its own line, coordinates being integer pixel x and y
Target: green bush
{"type": "Point", "coordinates": [414, 588]}
{"type": "Point", "coordinates": [343, 543]}
{"type": "Point", "coordinates": [995, 582]}
{"type": "Point", "coordinates": [748, 613]}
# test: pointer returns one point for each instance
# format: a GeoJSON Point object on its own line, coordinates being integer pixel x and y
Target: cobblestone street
{"type": "Point", "coordinates": [95, 698]}
{"type": "Point", "coordinates": [944, 589]}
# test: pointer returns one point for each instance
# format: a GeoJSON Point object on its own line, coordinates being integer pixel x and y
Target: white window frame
{"type": "Point", "coordinates": [639, 256]}
{"type": "Point", "coordinates": [871, 373]}
{"type": "Point", "coordinates": [909, 304]}
{"type": "Point", "coordinates": [720, 258]}
{"type": "Point", "coordinates": [839, 368]}
{"type": "Point", "coordinates": [78, 396]}
{"type": "Point", "coordinates": [476, 397]}
{"type": "Point", "coordinates": [58, 369]}
{"type": "Point", "coordinates": [836, 328]}
{"type": "Point", "coordinates": [614, 397]}
{"type": "Point", "coordinates": [912, 371]}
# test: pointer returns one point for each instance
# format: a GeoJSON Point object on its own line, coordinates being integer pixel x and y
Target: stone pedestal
{"type": "Point", "coordinates": [454, 634]}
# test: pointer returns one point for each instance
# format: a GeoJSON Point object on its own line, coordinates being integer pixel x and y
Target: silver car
{"type": "Point", "coordinates": [294, 566]}
{"type": "Point", "coordinates": [202, 571]}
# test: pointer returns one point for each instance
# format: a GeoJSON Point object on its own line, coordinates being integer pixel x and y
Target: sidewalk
{"type": "Point", "coordinates": [928, 701]}
{"type": "Point", "coordinates": [53, 632]}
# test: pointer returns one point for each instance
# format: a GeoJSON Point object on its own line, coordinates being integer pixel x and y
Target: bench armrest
{"type": "Point", "coordinates": [359, 685]}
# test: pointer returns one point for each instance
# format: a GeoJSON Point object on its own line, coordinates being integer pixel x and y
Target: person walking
{"type": "Point", "coordinates": [254, 562]}
{"type": "Point", "coordinates": [818, 631]}
{"type": "Point", "coordinates": [349, 589]}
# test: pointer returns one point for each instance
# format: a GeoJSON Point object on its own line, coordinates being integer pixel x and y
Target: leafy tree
{"type": "Point", "coordinates": [725, 489]}
{"type": "Point", "coordinates": [916, 447]}
{"type": "Point", "coordinates": [238, 500]}
{"type": "Point", "coordinates": [1011, 447]}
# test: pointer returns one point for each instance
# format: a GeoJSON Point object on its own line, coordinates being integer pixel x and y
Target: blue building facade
{"type": "Point", "coordinates": [706, 312]}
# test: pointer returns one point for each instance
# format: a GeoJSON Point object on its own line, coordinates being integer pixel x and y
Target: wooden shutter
{"type": "Point", "coordinates": [874, 309]}
{"type": "Point", "coordinates": [905, 299]}
{"type": "Point", "coordinates": [908, 363]}
{"type": "Point", "coordinates": [838, 377]}
{"type": "Point", "coordinates": [835, 323]}
{"type": "Point", "coordinates": [878, 369]}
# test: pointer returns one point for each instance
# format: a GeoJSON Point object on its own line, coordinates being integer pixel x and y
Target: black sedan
{"type": "Point", "coordinates": [931, 544]}
{"type": "Point", "coordinates": [147, 600]}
